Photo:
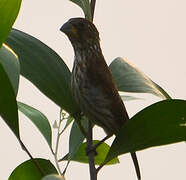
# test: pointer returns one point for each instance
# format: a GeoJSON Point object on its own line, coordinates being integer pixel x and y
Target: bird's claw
{"type": "Point", "coordinates": [91, 149]}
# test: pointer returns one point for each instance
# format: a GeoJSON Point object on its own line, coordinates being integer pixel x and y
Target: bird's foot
{"type": "Point", "coordinates": [91, 149]}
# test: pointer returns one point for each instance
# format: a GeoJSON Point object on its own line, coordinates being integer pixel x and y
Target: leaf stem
{"type": "Point", "coordinates": [92, 6]}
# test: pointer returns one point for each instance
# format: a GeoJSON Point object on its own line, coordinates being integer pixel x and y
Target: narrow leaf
{"type": "Point", "coordinates": [76, 137]}
{"type": "Point", "coordinates": [8, 12]}
{"type": "Point", "coordinates": [129, 79]}
{"type": "Point", "coordinates": [159, 124]}
{"type": "Point", "coordinates": [39, 120]}
{"type": "Point", "coordinates": [85, 6]}
{"type": "Point", "coordinates": [10, 62]}
{"type": "Point", "coordinates": [44, 68]}
{"type": "Point", "coordinates": [102, 150]}
{"type": "Point", "coordinates": [129, 98]}
{"type": "Point", "coordinates": [28, 170]}
{"type": "Point", "coordinates": [8, 104]}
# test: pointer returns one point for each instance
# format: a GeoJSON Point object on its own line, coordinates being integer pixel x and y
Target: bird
{"type": "Point", "coordinates": [92, 83]}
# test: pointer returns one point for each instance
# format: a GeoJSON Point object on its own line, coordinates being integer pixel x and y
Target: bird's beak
{"type": "Point", "coordinates": [69, 29]}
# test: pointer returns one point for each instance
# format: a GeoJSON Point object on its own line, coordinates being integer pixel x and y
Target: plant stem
{"type": "Point", "coordinates": [57, 147]}
{"type": "Point", "coordinates": [136, 165]}
{"type": "Point", "coordinates": [91, 153]}
{"type": "Point", "coordinates": [99, 168]}
{"type": "Point", "coordinates": [92, 6]}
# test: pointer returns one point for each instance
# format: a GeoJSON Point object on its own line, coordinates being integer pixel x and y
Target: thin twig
{"type": "Point", "coordinates": [99, 168]}
{"type": "Point", "coordinates": [31, 157]}
{"type": "Point", "coordinates": [101, 141]}
{"type": "Point", "coordinates": [92, 6]}
{"type": "Point", "coordinates": [91, 153]}
{"type": "Point", "coordinates": [56, 153]}
{"type": "Point", "coordinates": [57, 145]}
{"type": "Point", "coordinates": [136, 165]}
{"type": "Point", "coordinates": [64, 171]}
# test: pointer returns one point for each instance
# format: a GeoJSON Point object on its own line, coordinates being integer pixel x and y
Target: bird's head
{"type": "Point", "coordinates": [80, 31]}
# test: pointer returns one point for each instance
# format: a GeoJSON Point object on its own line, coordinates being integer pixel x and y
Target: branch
{"type": "Point", "coordinates": [91, 153]}
{"type": "Point", "coordinates": [57, 145]}
{"type": "Point", "coordinates": [92, 6]}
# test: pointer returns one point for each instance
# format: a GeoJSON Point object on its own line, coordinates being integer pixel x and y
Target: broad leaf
{"type": "Point", "coordinates": [39, 119]}
{"type": "Point", "coordinates": [8, 104]}
{"type": "Point", "coordinates": [8, 12]}
{"type": "Point", "coordinates": [102, 150]}
{"type": "Point", "coordinates": [129, 79]}
{"type": "Point", "coordinates": [44, 68]}
{"type": "Point", "coordinates": [159, 124]}
{"type": "Point", "coordinates": [10, 62]}
{"type": "Point", "coordinates": [85, 6]}
{"type": "Point", "coordinates": [53, 177]}
{"type": "Point", "coordinates": [28, 170]}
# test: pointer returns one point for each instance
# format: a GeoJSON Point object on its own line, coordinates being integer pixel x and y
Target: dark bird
{"type": "Point", "coordinates": [92, 83]}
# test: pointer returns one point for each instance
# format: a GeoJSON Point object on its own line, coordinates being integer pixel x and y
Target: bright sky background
{"type": "Point", "coordinates": [151, 34]}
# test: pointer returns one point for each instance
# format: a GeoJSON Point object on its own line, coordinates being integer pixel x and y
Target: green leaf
{"type": "Point", "coordinates": [159, 124]}
{"type": "Point", "coordinates": [76, 137]}
{"type": "Point", "coordinates": [44, 68]}
{"type": "Point", "coordinates": [53, 177]}
{"type": "Point", "coordinates": [129, 79]}
{"type": "Point", "coordinates": [39, 120]}
{"type": "Point", "coordinates": [8, 12]}
{"type": "Point", "coordinates": [85, 6]}
{"type": "Point", "coordinates": [129, 98]}
{"type": "Point", "coordinates": [102, 150]}
{"type": "Point", "coordinates": [28, 170]}
{"type": "Point", "coordinates": [10, 62]}
{"type": "Point", "coordinates": [8, 104]}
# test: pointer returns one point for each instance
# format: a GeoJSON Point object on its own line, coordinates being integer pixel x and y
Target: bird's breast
{"type": "Point", "coordinates": [91, 99]}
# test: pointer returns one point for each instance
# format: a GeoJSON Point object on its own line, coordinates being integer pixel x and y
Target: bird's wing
{"type": "Point", "coordinates": [104, 93]}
